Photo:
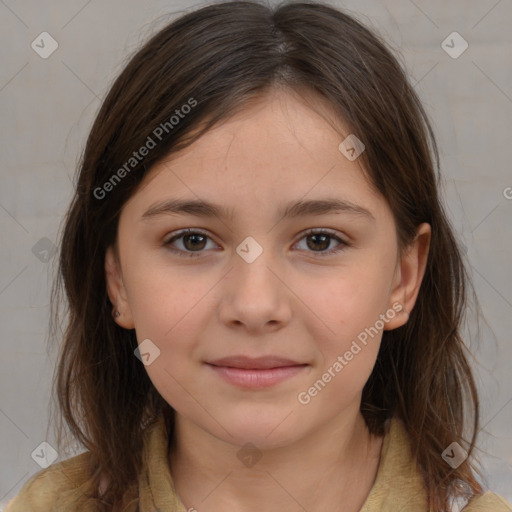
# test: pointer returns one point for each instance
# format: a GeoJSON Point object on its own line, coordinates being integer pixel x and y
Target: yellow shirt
{"type": "Point", "coordinates": [397, 487]}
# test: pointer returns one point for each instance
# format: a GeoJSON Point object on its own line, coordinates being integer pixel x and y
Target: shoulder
{"type": "Point", "coordinates": [488, 502]}
{"type": "Point", "coordinates": [51, 488]}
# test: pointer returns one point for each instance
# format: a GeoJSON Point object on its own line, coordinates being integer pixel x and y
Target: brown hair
{"type": "Point", "coordinates": [221, 57]}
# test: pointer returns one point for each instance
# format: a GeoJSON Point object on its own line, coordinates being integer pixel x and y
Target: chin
{"type": "Point", "coordinates": [264, 430]}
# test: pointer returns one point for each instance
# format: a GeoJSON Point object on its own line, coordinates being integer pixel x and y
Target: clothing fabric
{"type": "Point", "coordinates": [397, 487]}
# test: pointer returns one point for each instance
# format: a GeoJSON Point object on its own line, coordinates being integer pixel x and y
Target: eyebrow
{"type": "Point", "coordinates": [295, 209]}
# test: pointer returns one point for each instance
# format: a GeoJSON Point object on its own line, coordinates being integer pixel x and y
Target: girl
{"type": "Point", "coordinates": [265, 293]}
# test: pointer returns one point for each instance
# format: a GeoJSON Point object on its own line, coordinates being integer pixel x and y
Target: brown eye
{"type": "Point", "coordinates": [192, 242]}
{"type": "Point", "coordinates": [320, 240]}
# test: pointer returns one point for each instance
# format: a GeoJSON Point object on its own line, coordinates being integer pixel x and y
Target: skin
{"type": "Point", "coordinates": [292, 301]}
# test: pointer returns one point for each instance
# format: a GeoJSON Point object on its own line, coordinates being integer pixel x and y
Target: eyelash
{"type": "Point", "coordinates": [316, 231]}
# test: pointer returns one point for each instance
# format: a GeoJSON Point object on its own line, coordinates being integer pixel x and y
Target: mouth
{"type": "Point", "coordinates": [254, 373]}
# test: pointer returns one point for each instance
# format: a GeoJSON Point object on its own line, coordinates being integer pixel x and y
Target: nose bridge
{"type": "Point", "coordinates": [254, 261]}
{"type": "Point", "coordinates": [255, 295]}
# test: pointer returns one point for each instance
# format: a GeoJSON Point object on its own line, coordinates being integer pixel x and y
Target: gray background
{"type": "Point", "coordinates": [46, 110]}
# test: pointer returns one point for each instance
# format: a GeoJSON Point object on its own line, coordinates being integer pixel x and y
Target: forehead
{"type": "Point", "coordinates": [280, 149]}
{"type": "Point", "coordinates": [280, 124]}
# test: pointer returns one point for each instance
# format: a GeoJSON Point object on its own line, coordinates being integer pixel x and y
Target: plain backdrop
{"type": "Point", "coordinates": [46, 109]}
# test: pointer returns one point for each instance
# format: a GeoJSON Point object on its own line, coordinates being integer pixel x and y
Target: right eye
{"type": "Point", "coordinates": [193, 242]}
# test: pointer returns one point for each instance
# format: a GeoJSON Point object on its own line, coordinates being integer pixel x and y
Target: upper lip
{"type": "Point", "coordinates": [254, 363]}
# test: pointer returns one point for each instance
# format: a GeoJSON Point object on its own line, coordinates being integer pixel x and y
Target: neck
{"type": "Point", "coordinates": [336, 464]}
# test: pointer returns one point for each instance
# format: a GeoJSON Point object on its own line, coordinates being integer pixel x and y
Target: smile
{"type": "Point", "coordinates": [250, 378]}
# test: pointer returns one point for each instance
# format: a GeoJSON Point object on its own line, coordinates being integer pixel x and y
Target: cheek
{"type": "Point", "coordinates": [163, 300]}
{"type": "Point", "coordinates": [171, 311]}
{"type": "Point", "coordinates": [348, 349]}
{"type": "Point", "coordinates": [351, 307]}
{"type": "Point", "coordinates": [348, 302]}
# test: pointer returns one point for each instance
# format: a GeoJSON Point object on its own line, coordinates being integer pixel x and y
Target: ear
{"type": "Point", "coordinates": [409, 275]}
{"type": "Point", "coordinates": [116, 290]}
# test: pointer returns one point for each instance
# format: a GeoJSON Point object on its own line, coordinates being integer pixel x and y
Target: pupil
{"type": "Point", "coordinates": [193, 237]}
{"type": "Point", "coordinates": [325, 241]}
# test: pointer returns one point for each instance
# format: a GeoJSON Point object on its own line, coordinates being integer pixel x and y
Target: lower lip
{"type": "Point", "coordinates": [253, 379]}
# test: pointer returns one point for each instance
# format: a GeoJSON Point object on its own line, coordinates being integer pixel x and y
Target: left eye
{"type": "Point", "coordinates": [193, 242]}
{"type": "Point", "coordinates": [320, 239]}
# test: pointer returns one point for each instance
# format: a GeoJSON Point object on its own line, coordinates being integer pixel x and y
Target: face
{"type": "Point", "coordinates": [253, 325]}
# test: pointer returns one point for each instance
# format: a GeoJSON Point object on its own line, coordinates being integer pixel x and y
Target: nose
{"type": "Point", "coordinates": [255, 296]}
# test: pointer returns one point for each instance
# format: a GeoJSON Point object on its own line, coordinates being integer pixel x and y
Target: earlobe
{"type": "Point", "coordinates": [409, 276]}
{"type": "Point", "coordinates": [121, 312]}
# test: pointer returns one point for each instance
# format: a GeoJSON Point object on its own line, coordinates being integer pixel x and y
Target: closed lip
{"type": "Point", "coordinates": [255, 363]}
